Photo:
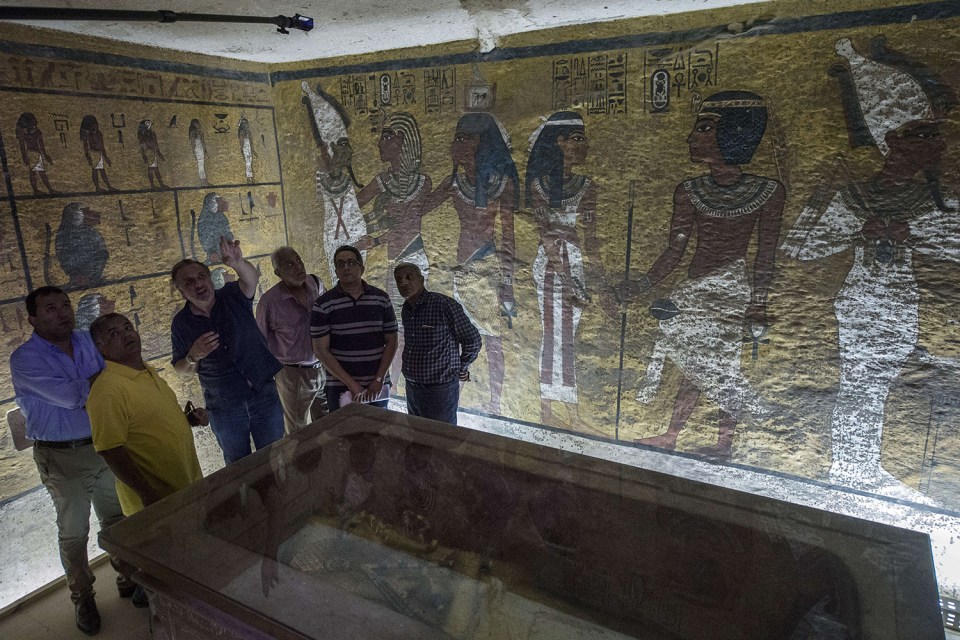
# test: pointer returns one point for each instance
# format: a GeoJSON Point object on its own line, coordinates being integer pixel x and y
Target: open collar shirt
{"type": "Point", "coordinates": [52, 388]}
{"type": "Point", "coordinates": [242, 365]}
{"type": "Point", "coordinates": [440, 342]}
{"type": "Point", "coordinates": [285, 322]}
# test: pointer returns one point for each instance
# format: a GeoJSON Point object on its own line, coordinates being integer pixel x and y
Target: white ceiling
{"type": "Point", "coordinates": [350, 27]}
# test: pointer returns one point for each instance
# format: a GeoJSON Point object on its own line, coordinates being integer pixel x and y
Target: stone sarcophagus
{"type": "Point", "coordinates": [373, 524]}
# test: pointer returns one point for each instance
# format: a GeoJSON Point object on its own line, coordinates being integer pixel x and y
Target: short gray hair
{"type": "Point", "coordinates": [407, 265]}
{"type": "Point", "coordinates": [275, 256]}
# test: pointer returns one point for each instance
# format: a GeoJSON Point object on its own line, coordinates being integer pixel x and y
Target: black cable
{"type": "Point", "coordinates": [45, 13]}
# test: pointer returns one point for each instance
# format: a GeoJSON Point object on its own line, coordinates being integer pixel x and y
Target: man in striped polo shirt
{"type": "Point", "coordinates": [354, 332]}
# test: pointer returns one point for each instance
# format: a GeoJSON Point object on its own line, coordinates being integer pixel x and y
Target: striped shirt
{"type": "Point", "coordinates": [356, 329]}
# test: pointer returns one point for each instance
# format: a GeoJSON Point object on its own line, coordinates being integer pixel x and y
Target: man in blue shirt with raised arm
{"type": "Point", "coordinates": [52, 373]}
{"type": "Point", "coordinates": [216, 337]}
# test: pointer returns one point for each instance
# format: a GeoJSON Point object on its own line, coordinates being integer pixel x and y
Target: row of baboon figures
{"type": "Point", "coordinates": [891, 103]}
{"type": "Point", "coordinates": [34, 154]}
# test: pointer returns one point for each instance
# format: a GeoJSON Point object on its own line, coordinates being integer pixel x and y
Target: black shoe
{"type": "Point", "coordinates": [88, 618]}
{"type": "Point", "coordinates": [127, 590]}
{"type": "Point", "coordinates": [140, 598]}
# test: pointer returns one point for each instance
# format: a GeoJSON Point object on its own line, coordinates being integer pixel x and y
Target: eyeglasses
{"type": "Point", "coordinates": [342, 264]}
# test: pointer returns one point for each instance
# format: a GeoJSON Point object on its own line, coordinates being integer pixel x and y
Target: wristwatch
{"type": "Point", "coordinates": [380, 379]}
{"type": "Point", "coordinates": [191, 360]}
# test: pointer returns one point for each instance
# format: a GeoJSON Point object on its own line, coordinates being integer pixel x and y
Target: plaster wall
{"type": "Point", "coordinates": [780, 388]}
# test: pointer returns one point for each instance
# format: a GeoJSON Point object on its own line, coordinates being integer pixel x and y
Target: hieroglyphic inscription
{"type": "Point", "coordinates": [440, 89]}
{"type": "Point", "coordinates": [597, 83]}
{"type": "Point", "coordinates": [672, 73]}
{"type": "Point", "coordinates": [26, 72]}
{"type": "Point", "coordinates": [363, 94]}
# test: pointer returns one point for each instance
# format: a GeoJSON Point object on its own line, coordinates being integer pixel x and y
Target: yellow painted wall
{"type": "Point", "coordinates": [781, 51]}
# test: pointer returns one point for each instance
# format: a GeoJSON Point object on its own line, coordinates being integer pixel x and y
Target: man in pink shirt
{"type": "Point", "coordinates": [283, 315]}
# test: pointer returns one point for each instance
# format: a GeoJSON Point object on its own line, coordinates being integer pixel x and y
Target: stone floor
{"type": "Point", "coordinates": [50, 616]}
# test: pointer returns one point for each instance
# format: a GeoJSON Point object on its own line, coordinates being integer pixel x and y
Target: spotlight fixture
{"type": "Point", "coordinates": [298, 22]}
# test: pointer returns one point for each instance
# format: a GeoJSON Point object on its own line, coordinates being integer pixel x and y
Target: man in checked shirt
{"type": "Point", "coordinates": [439, 345]}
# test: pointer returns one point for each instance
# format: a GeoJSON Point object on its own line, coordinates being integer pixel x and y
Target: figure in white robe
{"type": "Point", "coordinates": [343, 221]}
{"type": "Point", "coordinates": [885, 221]}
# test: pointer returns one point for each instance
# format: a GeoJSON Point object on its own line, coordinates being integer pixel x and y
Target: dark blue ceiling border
{"type": "Point", "coordinates": [776, 26]}
{"type": "Point", "coordinates": [114, 60]}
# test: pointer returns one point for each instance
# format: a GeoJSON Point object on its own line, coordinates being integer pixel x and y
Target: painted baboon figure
{"type": "Point", "coordinates": [33, 152]}
{"type": "Point", "coordinates": [92, 139]}
{"type": "Point", "coordinates": [90, 307]}
{"type": "Point", "coordinates": [212, 225]}
{"type": "Point", "coordinates": [702, 321]}
{"type": "Point", "coordinates": [81, 249]}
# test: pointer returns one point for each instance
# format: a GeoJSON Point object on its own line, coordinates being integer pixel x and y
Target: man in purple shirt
{"type": "Point", "coordinates": [52, 373]}
{"type": "Point", "coordinates": [283, 315]}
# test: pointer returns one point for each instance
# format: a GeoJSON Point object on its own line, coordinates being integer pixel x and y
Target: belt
{"type": "Point", "coordinates": [64, 444]}
{"type": "Point", "coordinates": [305, 366]}
{"type": "Point", "coordinates": [429, 385]}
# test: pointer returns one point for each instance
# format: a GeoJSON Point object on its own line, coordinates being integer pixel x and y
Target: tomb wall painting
{"type": "Point", "coordinates": [117, 167]}
{"type": "Point", "coordinates": [702, 153]}
{"type": "Point", "coordinates": [774, 368]}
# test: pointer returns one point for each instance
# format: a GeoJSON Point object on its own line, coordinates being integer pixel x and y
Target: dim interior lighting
{"type": "Point", "coordinates": [298, 22]}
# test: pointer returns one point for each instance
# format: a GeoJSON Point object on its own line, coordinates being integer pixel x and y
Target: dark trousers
{"type": "Point", "coordinates": [434, 401]}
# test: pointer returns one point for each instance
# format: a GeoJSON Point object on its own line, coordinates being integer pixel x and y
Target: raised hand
{"type": "Point", "coordinates": [230, 252]}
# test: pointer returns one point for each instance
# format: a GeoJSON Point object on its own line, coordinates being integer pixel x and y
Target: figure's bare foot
{"type": "Point", "coordinates": [717, 452]}
{"type": "Point", "coordinates": [663, 441]}
{"type": "Point", "coordinates": [721, 450]}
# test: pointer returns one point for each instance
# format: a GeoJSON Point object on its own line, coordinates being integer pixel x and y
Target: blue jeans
{"type": "Point", "coordinates": [260, 417]}
{"type": "Point", "coordinates": [434, 401]}
{"type": "Point", "coordinates": [333, 399]}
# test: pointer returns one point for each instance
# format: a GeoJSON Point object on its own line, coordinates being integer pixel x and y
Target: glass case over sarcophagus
{"type": "Point", "coordinates": [374, 524]}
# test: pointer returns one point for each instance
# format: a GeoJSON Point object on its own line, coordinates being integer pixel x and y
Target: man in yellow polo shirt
{"type": "Point", "coordinates": [138, 425]}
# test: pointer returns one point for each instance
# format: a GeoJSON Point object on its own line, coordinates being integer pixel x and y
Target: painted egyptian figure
{"type": "Point", "coordinates": [568, 255]}
{"type": "Point", "coordinates": [246, 147]}
{"type": "Point", "coordinates": [484, 184]}
{"type": "Point", "coordinates": [343, 221]}
{"type": "Point", "coordinates": [702, 320]}
{"type": "Point", "coordinates": [33, 152]}
{"type": "Point", "coordinates": [150, 152]}
{"type": "Point", "coordinates": [895, 105]}
{"type": "Point", "coordinates": [92, 139]}
{"type": "Point", "coordinates": [398, 196]}
{"type": "Point", "coordinates": [199, 147]}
